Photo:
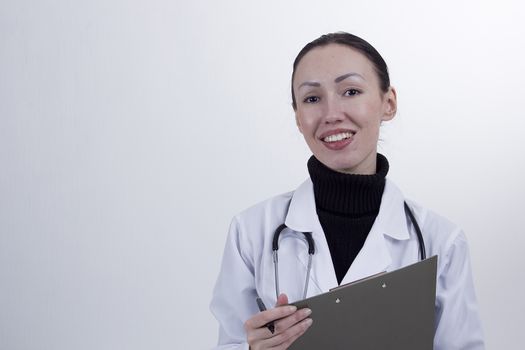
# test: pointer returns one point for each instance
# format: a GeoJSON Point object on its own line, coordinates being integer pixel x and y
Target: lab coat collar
{"type": "Point", "coordinates": [391, 220]}
{"type": "Point", "coordinates": [302, 215]}
{"type": "Point", "coordinates": [374, 257]}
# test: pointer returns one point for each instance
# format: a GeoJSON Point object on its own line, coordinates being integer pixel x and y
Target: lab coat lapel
{"type": "Point", "coordinates": [374, 257]}
{"type": "Point", "coordinates": [302, 217]}
{"type": "Point", "coordinates": [390, 226]}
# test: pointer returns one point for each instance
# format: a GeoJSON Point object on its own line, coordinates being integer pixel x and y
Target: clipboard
{"type": "Point", "coordinates": [393, 310]}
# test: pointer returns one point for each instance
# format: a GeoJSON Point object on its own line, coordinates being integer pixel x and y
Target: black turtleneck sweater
{"type": "Point", "coordinates": [347, 206]}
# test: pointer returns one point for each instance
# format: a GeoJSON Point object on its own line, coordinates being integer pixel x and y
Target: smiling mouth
{"type": "Point", "coordinates": [338, 137]}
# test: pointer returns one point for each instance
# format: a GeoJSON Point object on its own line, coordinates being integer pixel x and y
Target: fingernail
{"type": "Point", "coordinates": [307, 312]}
{"type": "Point", "coordinates": [309, 322]}
{"type": "Point", "coordinates": [292, 308]}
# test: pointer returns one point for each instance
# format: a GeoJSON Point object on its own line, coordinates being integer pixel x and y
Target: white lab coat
{"type": "Point", "coordinates": [247, 269]}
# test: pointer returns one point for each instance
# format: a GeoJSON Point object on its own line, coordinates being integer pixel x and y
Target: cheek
{"type": "Point", "coordinates": [371, 126]}
{"type": "Point", "coordinates": [307, 122]}
{"type": "Point", "coordinates": [367, 115]}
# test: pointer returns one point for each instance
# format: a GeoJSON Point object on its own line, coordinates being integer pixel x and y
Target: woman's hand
{"type": "Point", "coordinates": [289, 323]}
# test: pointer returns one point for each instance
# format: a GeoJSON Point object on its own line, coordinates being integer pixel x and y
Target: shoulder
{"type": "Point", "coordinates": [251, 230]}
{"type": "Point", "coordinates": [440, 233]}
{"type": "Point", "coordinates": [276, 205]}
{"type": "Point", "coordinates": [257, 223]}
{"type": "Point", "coordinates": [442, 236]}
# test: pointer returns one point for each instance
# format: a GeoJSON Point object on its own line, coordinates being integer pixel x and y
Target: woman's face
{"type": "Point", "coordinates": [340, 107]}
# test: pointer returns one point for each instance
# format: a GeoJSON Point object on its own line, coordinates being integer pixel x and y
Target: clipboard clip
{"type": "Point", "coordinates": [360, 280]}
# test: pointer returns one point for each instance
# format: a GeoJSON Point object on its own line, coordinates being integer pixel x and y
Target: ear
{"type": "Point", "coordinates": [390, 104]}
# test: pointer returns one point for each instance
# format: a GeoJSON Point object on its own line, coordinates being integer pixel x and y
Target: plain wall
{"type": "Point", "coordinates": [132, 131]}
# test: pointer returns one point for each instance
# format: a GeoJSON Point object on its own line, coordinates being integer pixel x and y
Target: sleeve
{"type": "Point", "coordinates": [233, 300]}
{"type": "Point", "coordinates": [458, 325]}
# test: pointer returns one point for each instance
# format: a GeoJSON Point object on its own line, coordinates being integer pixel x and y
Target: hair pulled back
{"type": "Point", "coordinates": [354, 42]}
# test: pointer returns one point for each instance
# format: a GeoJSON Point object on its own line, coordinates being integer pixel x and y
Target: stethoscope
{"type": "Point", "coordinates": [311, 250]}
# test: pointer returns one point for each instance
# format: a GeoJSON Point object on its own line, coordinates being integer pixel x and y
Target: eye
{"type": "Point", "coordinates": [311, 99]}
{"type": "Point", "coordinates": [352, 92]}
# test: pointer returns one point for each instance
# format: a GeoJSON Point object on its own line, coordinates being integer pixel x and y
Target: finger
{"type": "Point", "coordinates": [265, 317]}
{"type": "Point", "coordinates": [289, 327]}
{"type": "Point", "coordinates": [284, 339]}
{"type": "Point", "coordinates": [294, 337]}
{"type": "Point", "coordinates": [258, 334]}
{"type": "Point", "coordinates": [282, 299]}
{"type": "Point", "coordinates": [283, 324]}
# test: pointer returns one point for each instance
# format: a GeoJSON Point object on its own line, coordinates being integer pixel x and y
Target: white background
{"type": "Point", "coordinates": [132, 131]}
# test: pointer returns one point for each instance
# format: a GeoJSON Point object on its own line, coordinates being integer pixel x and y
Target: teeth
{"type": "Point", "coordinates": [337, 137]}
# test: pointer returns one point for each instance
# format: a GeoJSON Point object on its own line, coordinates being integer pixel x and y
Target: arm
{"type": "Point", "coordinates": [458, 325]}
{"type": "Point", "coordinates": [241, 325]}
{"type": "Point", "coordinates": [233, 299]}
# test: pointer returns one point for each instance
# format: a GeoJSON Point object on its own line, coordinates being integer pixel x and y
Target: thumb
{"type": "Point", "coordinates": [282, 300]}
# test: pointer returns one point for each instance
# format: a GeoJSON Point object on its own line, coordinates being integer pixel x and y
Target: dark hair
{"type": "Point", "coordinates": [354, 42]}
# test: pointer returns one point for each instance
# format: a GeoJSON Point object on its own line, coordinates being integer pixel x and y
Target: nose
{"type": "Point", "coordinates": [333, 111]}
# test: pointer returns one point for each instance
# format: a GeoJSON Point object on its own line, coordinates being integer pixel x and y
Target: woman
{"type": "Point", "coordinates": [341, 94]}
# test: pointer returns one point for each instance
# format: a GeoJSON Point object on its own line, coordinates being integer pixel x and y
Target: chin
{"type": "Point", "coordinates": [341, 166]}
{"type": "Point", "coordinates": [345, 164]}
{"type": "Point", "coordinates": [348, 169]}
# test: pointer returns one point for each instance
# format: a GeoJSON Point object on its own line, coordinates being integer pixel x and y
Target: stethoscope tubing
{"type": "Point", "coordinates": [421, 241]}
{"type": "Point", "coordinates": [311, 249]}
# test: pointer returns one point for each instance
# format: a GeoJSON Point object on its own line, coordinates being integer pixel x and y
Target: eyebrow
{"type": "Point", "coordinates": [309, 83]}
{"type": "Point", "coordinates": [336, 80]}
{"type": "Point", "coordinates": [348, 75]}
